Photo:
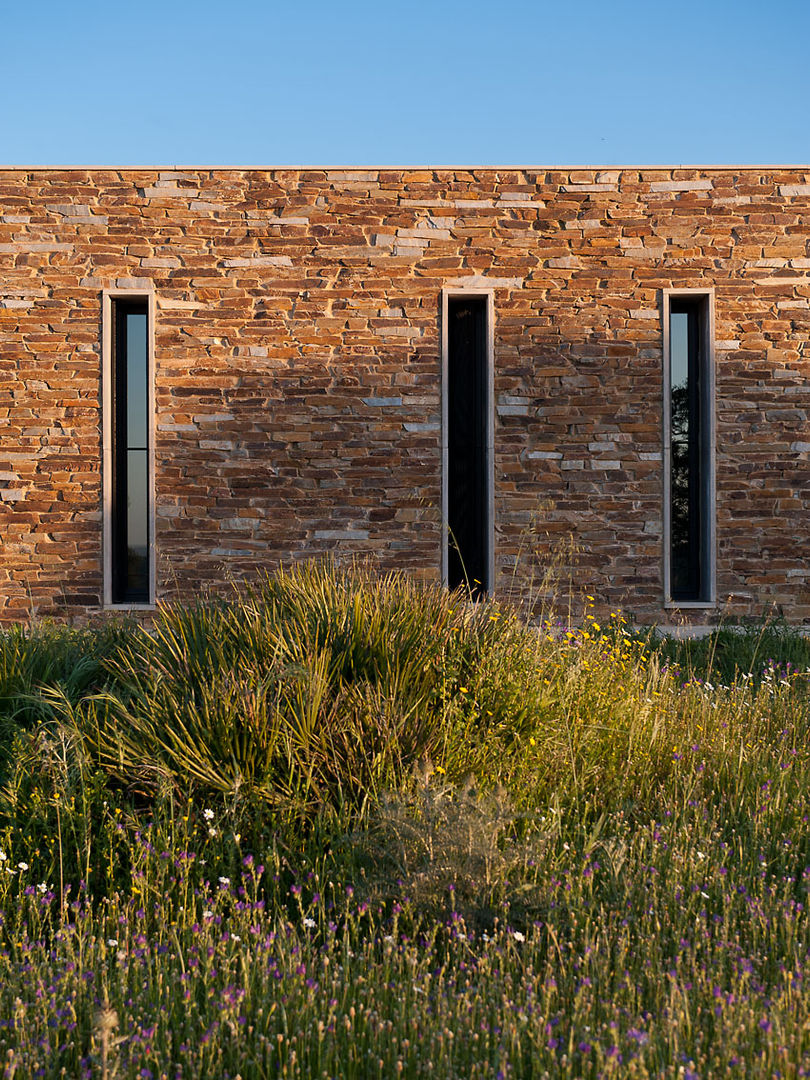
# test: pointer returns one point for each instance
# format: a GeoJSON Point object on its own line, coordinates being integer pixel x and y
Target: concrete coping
{"type": "Point", "coordinates": [402, 168]}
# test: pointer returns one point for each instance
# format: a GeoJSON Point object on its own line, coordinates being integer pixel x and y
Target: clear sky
{"type": "Point", "coordinates": [429, 82]}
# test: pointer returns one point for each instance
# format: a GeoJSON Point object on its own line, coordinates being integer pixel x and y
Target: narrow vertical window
{"type": "Point", "coordinates": [689, 419]}
{"type": "Point", "coordinates": [129, 522]}
{"type": "Point", "coordinates": [468, 444]}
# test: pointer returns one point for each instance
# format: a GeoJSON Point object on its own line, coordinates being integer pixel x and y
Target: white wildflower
{"type": "Point", "coordinates": [224, 881]}
{"type": "Point", "coordinates": [235, 937]}
{"type": "Point", "coordinates": [208, 914]}
{"type": "Point", "coordinates": [112, 942]}
{"type": "Point", "coordinates": [3, 856]}
{"type": "Point", "coordinates": [310, 924]}
{"type": "Point", "coordinates": [516, 934]}
{"type": "Point", "coordinates": [43, 888]}
{"type": "Point", "coordinates": [208, 815]}
{"type": "Point", "coordinates": [22, 865]}
{"type": "Point", "coordinates": [212, 833]}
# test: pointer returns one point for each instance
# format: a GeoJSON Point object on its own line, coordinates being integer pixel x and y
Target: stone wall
{"type": "Point", "coordinates": [297, 352]}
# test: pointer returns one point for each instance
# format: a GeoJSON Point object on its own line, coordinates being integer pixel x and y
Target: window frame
{"type": "Point", "coordinates": [108, 406]}
{"type": "Point", "coordinates": [703, 298]}
{"type": "Point", "coordinates": [447, 294]}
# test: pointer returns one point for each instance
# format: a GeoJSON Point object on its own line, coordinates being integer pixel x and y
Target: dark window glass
{"type": "Point", "coordinates": [130, 510]}
{"type": "Point", "coordinates": [688, 415]}
{"type": "Point", "coordinates": [467, 415]}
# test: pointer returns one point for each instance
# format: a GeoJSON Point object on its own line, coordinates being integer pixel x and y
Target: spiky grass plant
{"type": "Point", "coordinates": [309, 689]}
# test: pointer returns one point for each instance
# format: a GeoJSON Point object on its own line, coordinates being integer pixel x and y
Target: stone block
{"type": "Point", "coordinates": [260, 260]}
{"type": "Point", "coordinates": [681, 185]}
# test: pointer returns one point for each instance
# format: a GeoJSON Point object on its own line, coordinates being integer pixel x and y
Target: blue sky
{"type": "Point", "coordinates": [249, 83]}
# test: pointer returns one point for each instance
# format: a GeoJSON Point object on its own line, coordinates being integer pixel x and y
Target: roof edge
{"type": "Point", "coordinates": [402, 168]}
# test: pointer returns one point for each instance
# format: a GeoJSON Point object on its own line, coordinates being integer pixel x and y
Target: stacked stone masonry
{"type": "Point", "coordinates": [298, 380]}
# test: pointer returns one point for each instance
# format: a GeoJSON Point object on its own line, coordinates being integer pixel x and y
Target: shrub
{"type": "Point", "coordinates": [311, 689]}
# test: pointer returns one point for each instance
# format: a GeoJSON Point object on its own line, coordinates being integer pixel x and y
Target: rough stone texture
{"type": "Point", "coordinates": [297, 357]}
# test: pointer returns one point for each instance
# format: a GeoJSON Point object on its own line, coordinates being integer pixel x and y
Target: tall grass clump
{"type": "Point", "coordinates": [308, 690]}
{"type": "Point", "coordinates": [43, 659]}
{"type": "Point", "coordinates": [312, 691]}
{"type": "Point", "coordinates": [50, 655]}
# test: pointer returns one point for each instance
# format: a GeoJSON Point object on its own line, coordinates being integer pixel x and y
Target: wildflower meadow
{"type": "Point", "coordinates": [343, 825]}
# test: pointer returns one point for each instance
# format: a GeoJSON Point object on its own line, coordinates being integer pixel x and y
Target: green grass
{"type": "Point", "coordinates": [739, 653]}
{"type": "Point", "coordinates": [344, 826]}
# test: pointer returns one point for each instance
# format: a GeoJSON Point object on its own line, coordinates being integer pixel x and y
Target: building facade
{"type": "Point", "coordinates": [466, 374]}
